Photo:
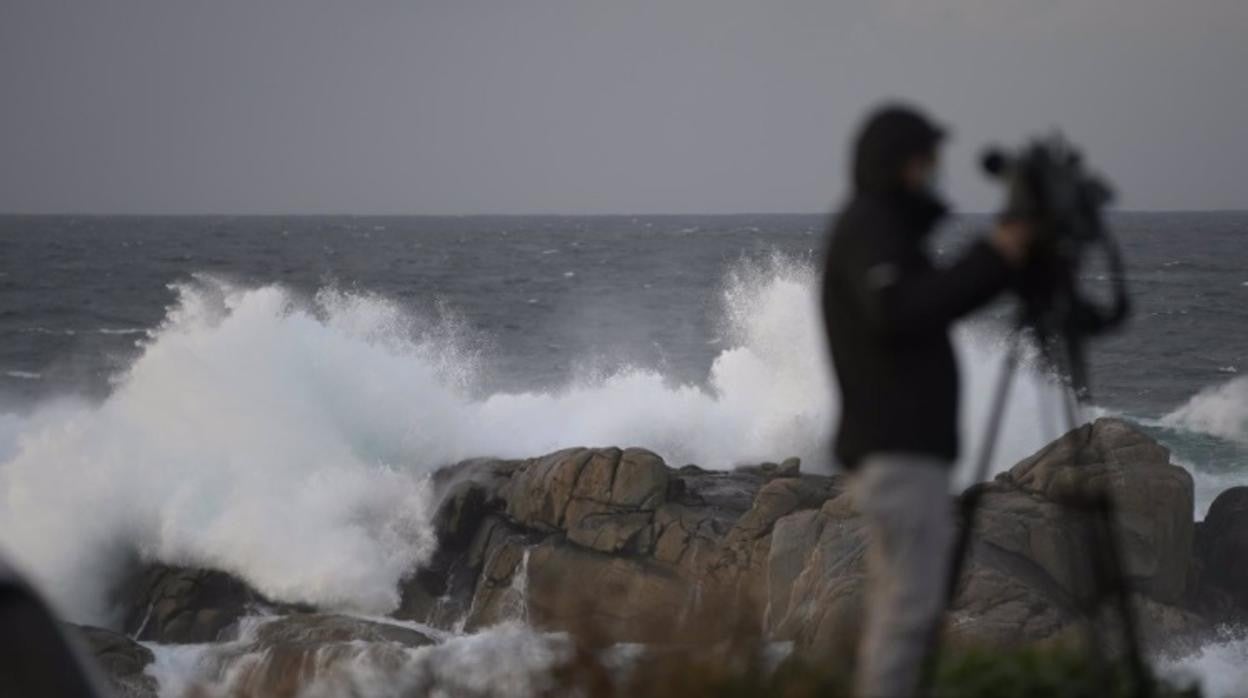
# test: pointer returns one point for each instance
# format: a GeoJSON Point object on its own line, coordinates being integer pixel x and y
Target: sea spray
{"type": "Point", "coordinates": [234, 442]}
{"type": "Point", "coordinates": [1219, 666]}
{"type": "Point", "coordinates": [1220, 410]}
{"type": "Point", "coordinates": [288, 440]}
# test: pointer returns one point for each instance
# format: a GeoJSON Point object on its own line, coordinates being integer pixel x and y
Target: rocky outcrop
{"type": "Point", "coordinates": [606, 538]}
{"type": "Point", "coordinates": [615, 540]}
{"type": "Point", "coordinates": [614, 544]}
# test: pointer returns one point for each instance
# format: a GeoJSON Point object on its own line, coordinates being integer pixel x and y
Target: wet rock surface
{"type": "Point", "coordinates": [181, 605]}
{"type": "Point", "coordinates": [122, 661]}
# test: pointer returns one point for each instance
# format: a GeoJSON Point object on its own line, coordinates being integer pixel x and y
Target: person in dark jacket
{"type": "Point", "coordinates": [887, 312]}
{"type": "Point", "coordinates": [38, 654]}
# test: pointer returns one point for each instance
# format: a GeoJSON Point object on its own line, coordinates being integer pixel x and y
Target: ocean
{"type": "Point", "coordinates": [245, 391]}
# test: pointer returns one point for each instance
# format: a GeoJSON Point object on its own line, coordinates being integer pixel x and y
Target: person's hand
{"type": "Point", "coordinates": [1012, 240]}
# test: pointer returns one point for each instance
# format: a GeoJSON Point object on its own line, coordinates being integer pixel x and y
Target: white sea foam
{"type": "Point", "coordinates": [1220, 410]}
{"type": "Point", "coordinates": [1219, 667]}
{"type": "Point", "coordinates": [509, 660]}
{"type": "Point", "coordinates": [287, 441]}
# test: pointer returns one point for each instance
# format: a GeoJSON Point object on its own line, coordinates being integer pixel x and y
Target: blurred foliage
{"type": "Point", "coordinates": [721, 653]}
{"type": "Point", "coordinates": [733, 673]}
{"type": "Point", "coordinates": [1041, 673]}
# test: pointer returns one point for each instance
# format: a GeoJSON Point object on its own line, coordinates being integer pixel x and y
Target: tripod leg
{"type": "Point", "coordinates": [1112, 577]}
{"type": "Point", "coordinates": [1108, 575]}
{"type": "Point", "coordinates": [969, 503]}
{"type": "Point", "coordinates": [997, 415]}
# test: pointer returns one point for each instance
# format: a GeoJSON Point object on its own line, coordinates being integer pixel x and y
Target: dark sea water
{"type": "Point", "coordinates": [264, 394]}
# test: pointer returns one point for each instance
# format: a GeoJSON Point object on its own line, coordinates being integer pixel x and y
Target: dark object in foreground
{"type": "Point", "coordinates": [1048, 187]}
{"type": "Point", "coordinates": [36, 657]}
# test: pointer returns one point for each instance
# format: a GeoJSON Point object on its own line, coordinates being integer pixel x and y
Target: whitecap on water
{"type": "Point", "coordinates": [1220, 410]}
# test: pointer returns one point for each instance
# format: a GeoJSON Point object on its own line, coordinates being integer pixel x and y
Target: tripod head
{"type": "Point", "coordinates": [1047, 186]}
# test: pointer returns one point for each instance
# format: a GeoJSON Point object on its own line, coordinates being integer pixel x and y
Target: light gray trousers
{"type": "Point", "coordinates": [905, 500]}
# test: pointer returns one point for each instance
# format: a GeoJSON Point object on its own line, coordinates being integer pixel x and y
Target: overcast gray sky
{"type": "Point", "coordinates": [587, 106]}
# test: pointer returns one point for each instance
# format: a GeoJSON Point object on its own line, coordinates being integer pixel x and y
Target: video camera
{"type": "Point", "coordinates": [1048, 187]}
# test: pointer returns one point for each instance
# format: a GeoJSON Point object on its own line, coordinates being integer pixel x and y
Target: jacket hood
{"type": "Point", "coordinates": [891, 136]}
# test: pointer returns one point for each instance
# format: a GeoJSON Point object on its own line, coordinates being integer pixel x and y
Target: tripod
{"type": "Point", "coordinates": [1096, 508]}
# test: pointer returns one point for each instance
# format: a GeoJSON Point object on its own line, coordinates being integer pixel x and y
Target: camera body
{"type": "Point", "coordinates": [1048, 187]}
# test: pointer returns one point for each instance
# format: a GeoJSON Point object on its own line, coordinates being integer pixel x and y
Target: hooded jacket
{"type": "Point", "coordinates": [888, 310]}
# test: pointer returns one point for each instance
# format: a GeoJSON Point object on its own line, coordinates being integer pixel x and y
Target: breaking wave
{"type": "Point", "coordinates": [288, 440]}
{"type": "Point", "coordinates": [1220, 410]}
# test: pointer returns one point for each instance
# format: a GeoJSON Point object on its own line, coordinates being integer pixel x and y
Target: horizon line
{"type": "Point", "coordinates": [287, 214]}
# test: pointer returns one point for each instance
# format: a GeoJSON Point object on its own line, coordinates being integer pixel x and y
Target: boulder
{"type": "Point", "coordinates": [789, 467]}
{"type": "Point", "coordinates": [996, 609]}
{"type": "Point", "coordinates": [1222, 549]}
{"type": "Point", "coordinates": [469, 497]}
{"type": "Point", "coordinates": [1031, 554]}
{"type": "Point", "coordinates": [540, 489]}
{"type": "Point", "coordinates": [1033, 509]}
{"type": "Point", "coordinates": [742, 564]}
{"type": "Point", "coordinates": [820, 608]}
{"type": "Point", "coordinates": [182, 605]}
{"type": "Point", "coordinates": [1032, 563]}
{"type": "Point", "coordinates": [121, 660]}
